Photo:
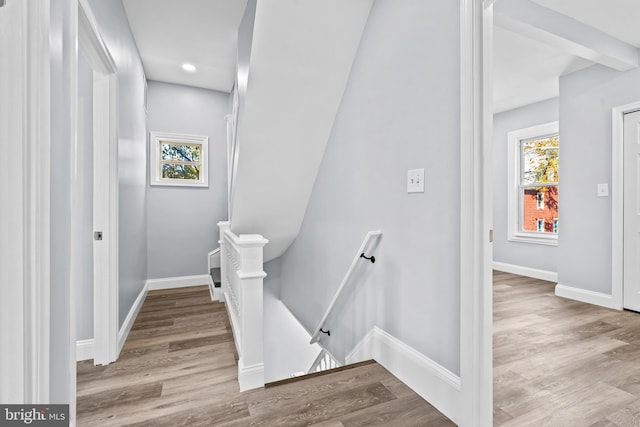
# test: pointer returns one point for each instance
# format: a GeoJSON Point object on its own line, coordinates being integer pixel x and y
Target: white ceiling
{"type": "Point", "coordinates": [201, 32]}
{"type": "Point", "coordinates": [204, 33]}
{"type": "Point", "coordinates": [619, 18]}
{"type": "Point", "coordinates": [527, 70]}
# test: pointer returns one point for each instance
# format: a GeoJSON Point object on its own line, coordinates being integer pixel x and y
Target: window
{"type": "Point", "coordinates": [178, 160]}
{"type": "Point", "coordinates": [540, 200]}
{"type": "Point", "coordinates": [533, 184]}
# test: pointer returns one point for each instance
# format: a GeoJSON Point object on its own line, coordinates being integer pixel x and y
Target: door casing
{"type": "Point", "coordinates": [617, 202]}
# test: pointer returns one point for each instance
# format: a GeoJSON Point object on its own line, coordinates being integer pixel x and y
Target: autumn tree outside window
{"type": "Point", "coordinates": [178, 160]}
{"type": "Point", "coordinates": [533, 184]}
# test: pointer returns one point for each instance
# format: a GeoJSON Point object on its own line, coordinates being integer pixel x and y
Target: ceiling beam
{"type": "Point", "coordinates": [565, 33]}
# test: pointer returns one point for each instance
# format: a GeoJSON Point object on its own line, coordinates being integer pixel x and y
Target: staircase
{"type": "Point", "coordinates": [300, 54]}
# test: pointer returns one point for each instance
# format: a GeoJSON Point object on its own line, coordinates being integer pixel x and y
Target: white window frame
{"type": "Point", "coordinates": [514, 197]}
{"type": "Point", "coordinates": [155, 159]}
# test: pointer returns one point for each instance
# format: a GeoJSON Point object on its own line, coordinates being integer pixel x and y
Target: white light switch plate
{"type": "Point", "coordinates": [415, 181]}
{"type": "Point", "coordinates": [603, 190]}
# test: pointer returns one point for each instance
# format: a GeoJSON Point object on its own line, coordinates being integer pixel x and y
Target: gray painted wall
{"type": "Point", "coordinates": [181, 221]}
{"type": "Point", "coordinates": [586, 100]}
{"type": "Point", "coordinates": [132, 160]}
{"type": "Point", "coordinates": [84, 293]}
{"type": "Point", "coordinates": [400, 111]}
{"type": "Point", "coordinates": [530, 255]}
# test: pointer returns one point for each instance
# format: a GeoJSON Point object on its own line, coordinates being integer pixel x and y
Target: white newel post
{"type": "Point", "coordinates": [242, 281]}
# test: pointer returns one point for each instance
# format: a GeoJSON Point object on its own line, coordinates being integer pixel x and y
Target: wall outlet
{"type": "Point", "coordinates": [415, 181]}
{"type": "Point", "coordinates": [603, 190]}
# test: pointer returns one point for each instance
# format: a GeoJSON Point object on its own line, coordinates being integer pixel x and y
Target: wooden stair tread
{"type": "Point", "coordinates": [318, 374]}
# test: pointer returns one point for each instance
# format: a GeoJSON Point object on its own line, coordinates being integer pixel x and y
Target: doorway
{"type": "Point", "coordinates": [94, 201]}
{"type": "Point", "coordinates": [624, 193]}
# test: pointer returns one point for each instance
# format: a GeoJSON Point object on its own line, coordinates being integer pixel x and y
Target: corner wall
{"type": "Point", "coordinates": [181, 221]}
{"type": "Point", "coordinates": [400, 111]}
{"type": "Point", "coordinates": [586, 101]}
{"type": "Point", "coordinates": [541, 257]}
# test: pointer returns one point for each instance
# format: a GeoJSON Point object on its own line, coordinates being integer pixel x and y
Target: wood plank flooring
{"type": "Point", "coordinates": [562, 363]}
{"type": "Point", "coordinates": [178, 368]}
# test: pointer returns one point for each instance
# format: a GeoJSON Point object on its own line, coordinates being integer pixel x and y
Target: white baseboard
{"type": "Point", "coordinates": [84, 350]}
{"type": "Point", "coordinates": [535, 273]}
{"type": "Point", "coordinates": [154, 285]}
{"type": "Point", "coordinates": [250, 377]}
{"type": "Point", "coordinates": [583, 295]}
{"type": "Point", "coordinates": [177, 282]}
{"type": "Point", "coordinates": [131, 317]}
{"type": "Point", "coordinates": [433, 382]}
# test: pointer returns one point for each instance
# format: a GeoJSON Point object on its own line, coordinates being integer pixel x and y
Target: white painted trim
{"type": "Point", "coordinates": [550, 276]}
{"type": "Point", "coordinates": [84, 350]}
{"type": "Point", "coordinates": [433, 382]}
{"type": "Point", "coordinates": [177, 282]}
{"type": "Point", "coordinates": [617, 202]}
{"type": "Point", "coordinates": [154, 285]}
{"type": "Point", "coordinates": [476, 360]}
{"type": "Point", "coordinates": [514, 199]}
{"type": "Point", "coordinates": [131, 318]}
{"type": "Point", "coordinates": [25, 110]}
{"type": "Point", "coordinates": [250, 377]}
{"type": "Point", "coordinates": [583, 295]}
{"type": "Point", "coordinates": [105, 187]}
{"type": "Point", "coordinates": [213, 258]}
{"type": "Point", "coordinates": [364, 247]}
{"type": "Point", "coordinates": [155, 176]}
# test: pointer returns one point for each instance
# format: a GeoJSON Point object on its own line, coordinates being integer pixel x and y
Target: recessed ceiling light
{"type": "Point", "coordinates": [188, 67]}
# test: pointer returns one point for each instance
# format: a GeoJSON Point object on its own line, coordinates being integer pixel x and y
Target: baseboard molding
{"type": "Point", "coordinates": [250, 377]}
{"type": "Point", "coordinates": [433, 382]}
{"type": "Point", "coordinates": [131, 317]}
{"type": "Point", "coordinates": [154, 285]}
{"type": "Point", "coordinates": [535, 273]}
{"type": "Point", "coordinates": [583, 295]}
{"type": "Point", "coordinates": [177, 282]}
{"type": "Point", "coordinates": [85, 350]}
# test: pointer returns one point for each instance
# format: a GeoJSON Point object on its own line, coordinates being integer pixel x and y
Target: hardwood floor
{"type": "Point", "coordinates": [562, 363]}
{"type": "Point", "coordinates": [178, 368]}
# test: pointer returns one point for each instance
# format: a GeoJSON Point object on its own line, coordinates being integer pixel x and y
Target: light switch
{"type": "Point", "coordinates": [415, 181]}
{"type": "Point", "coordinates": [603, 190]}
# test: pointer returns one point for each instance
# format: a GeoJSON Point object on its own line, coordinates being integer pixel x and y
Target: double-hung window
{"type": "Point", "coordinates": [178, 160]}
{"type": "Point", "coordinates": [533, 184]}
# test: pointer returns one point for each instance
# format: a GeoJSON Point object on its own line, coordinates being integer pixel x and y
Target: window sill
{"type": "Point", "coordinates": [535, 238]}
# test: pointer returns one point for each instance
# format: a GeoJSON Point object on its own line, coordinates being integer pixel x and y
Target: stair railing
{"type": "Point", "coordinates": [360, 255]}
{"type": "Point", "coordinates": [242, 280]}
{"type": "Point", "coordinates": [323, 362]}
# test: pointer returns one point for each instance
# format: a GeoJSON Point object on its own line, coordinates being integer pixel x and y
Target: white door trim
{"type": "Point", "coordinates": [617, 201]}
{"type": "Point", "coordinates": [475, 215]}
{"type": "Point", "coordinates": [105, 187]}
{"type": "Point", "coordinates": [25, 195]}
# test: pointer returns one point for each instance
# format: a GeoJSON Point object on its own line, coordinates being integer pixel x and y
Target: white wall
{"type": "Point", "coordinates": [62, 67]}
{"type": "Point", "coordinates": [529, 255]}
{"type": "Point", "coordinates": [114, 27]}
{"type": "Point", "coordinates": [586, 100]}
{"type": "Point", "coordinates": [84, 293]}
{"type": "Point", "coordinates": [400, 111]}
{"type": "Point", "coordinates": [181, 221]}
